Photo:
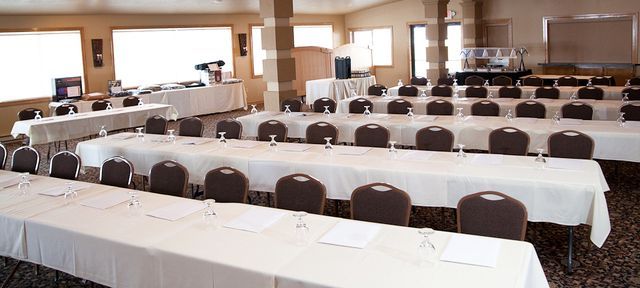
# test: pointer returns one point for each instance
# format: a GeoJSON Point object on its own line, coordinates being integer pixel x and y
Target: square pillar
{"type": "Point", "coordinates": [437, 54]}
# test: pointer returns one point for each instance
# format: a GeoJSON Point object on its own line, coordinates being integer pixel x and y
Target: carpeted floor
{"type": "Point", "coordinates": [616, 264]}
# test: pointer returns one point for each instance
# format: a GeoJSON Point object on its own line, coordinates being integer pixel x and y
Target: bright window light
{"type": "Point", "coordinates": [380, 40]}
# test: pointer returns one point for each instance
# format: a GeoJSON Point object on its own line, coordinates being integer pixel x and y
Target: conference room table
{"type": "Point", "coordinates": [167, 243]}
{"type": "Point", "coordinates": [610, 92]}
{"type": "Point", "coordinates": [611, 141]}
{"type": "Point", "coordinates": [66, 127]}
{"type": "Point", "coordinates": [336, 89]}
{"type": "Point", "coordinates": [602, 109]}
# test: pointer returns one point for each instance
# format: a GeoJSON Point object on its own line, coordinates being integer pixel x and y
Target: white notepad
{"type": "Point", "coordinates": [196, 141]}
{"type": "Point", "coordinates": [426, 118]}
{"type": "Point", "coordinates": [502, 100]}
{"type": "Point", "coordinates": [417, 156]}
{"type": "Point", "coordinates": [9, 180]}
{"type": "Point", "coordinates": [565, 164]}
{"type": "Point", "coordinates": [244, 144]}
{"type": "Point", "coordinates": [350, 150]}
{"type": "Point", "coordinates": [123, 136]}
{"type": "Point", "coordinates": [472, 250]}
{"type": "Point", "coordinates": [525, 120]}
{"type": "Point", "coordinates": [293, 147]}
{"type": "Point", "coordinates": [177, 211]}
{"type": "Point", "coordinates": [106, 201]}
{"type": "Point", "coordinates": [475, 118]}
{"type": "Point", "coordinates": [255, 220]}
{"type": "Point", "coordinates": [569, 121]}
{"type": "Point", "coordinates": [59, 190]}
{"type": "Point", "coordinates": [351, 234]}
{"type": "Point", "coordinates": [487, 159]}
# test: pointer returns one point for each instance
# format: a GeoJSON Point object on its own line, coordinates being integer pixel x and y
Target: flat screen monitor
{"type": "Point", "coordinates": [67, 88]}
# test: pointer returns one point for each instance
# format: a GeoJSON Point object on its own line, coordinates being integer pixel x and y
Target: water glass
{"type": "Point", "coordinates": [384, 93]}
{"type": "Point", "coordinates": [426, 249]}
{"type": "Point", "coordinates": [486, 83]}
{"type": "Point", "coordinates": [490, 95]}
{"type": "Point", "coordinates": [71, 112]}
{"type": "Point", "coordinates": [273, 145]}
{"type": "Point", "coordinates": [209, 216]}
{"type": "Point", "coordinates": [589, 84]}
{"type": "Point", "coordinates": [423, 94]}
{"type": "Point", "coordinates": [459, 118]}
{"type": "Point", "coordinates": [134, 206]}
{"type": "Point", "coordinates": [625, 98]}
{"type": "Point", "coordinates": [429, 84]}
{"type": "Point", "coordinates": [555, 83]}
{"type": "Point", "coordinates": [455, 84]}
{"type": "Point", "coordinates": [139, 134]}
{"type": "Point", "coordinates": [140, 103]}
{"type": "Point", "coordinates": [326, 111]}
{"type": "Point", "coordinates": [328, 148]}
{"type": "Point", "coordinates": [287, 111]}
{"type": "Point", "coordinates": [171, 138]}
{"type": "Point", "coordinates": [103, 132]}
{"type": "Point", "coordinates": [410, 113]}
{"type": "Point", "coordinates": [109, 107]}
{"type": "Point", "coordinates": [621, 121]}
{"type": "Point", "coordinates": [556, 118]}
{"type": "Point", "coordinates": [574, 97]}
{"type": "Point", "coordinates": [400, 84]}
{"type": "Point", "coordinates": [70, 194]}
{"type": "Point", "coordinates": [628, 83]}
{"type": "Point", "coordinates": [254, 110]}
{"type": "Point", "coordinates": [393, 152]}
{"type": "Point", "coordinates": [302, 231]}
{"type": "Point", "coordinates": [354, 93]}
{"type": "Point", "coordinates": [38, 117]}
{"type": "Point", "coordinates": [461, 156]}
{"type": "Point", "coordinates": [540, 161]}
{"type": "Point", "coordinates": [533, 95]}
{"type": "Point", "coordinates": [509, 116]}
{"type": "Point", "coordinates": [24, 186]}
{"type": "Point", "coordinates": [366, 111]}
{"type": "Point", "coordinates": [222, 141]}
{"type": "Point", "coordinates": [518, 84]}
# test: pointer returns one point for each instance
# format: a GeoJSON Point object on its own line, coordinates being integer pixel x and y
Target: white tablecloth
{"type": "Point", "coordinates": [59, 128]}
{"type": "Point", "coordinates": [567, 197]}
{"type": "Point", "coordinates": [611, 141]}
{"type": "Point", "coordinates": [337, 89]}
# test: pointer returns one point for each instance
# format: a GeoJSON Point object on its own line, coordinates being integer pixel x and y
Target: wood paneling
{"type": "Point", "coordinates": [311, 63]}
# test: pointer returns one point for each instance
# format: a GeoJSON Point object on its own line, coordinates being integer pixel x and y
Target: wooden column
{"type": "Point", "coordinates": [472, 21]}
{"type": "Point", "coordinates": [277, 39]}
{"type": "Point", "coordinates": [437, 55]}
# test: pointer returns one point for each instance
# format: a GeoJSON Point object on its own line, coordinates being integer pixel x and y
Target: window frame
{"type": "Point", "coordinates": [410, 34]}
{"type": "Point", "coordinates": [371, 28]}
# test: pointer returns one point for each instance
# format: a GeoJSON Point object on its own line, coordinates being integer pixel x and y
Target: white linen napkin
{"type": "Point", "coordinates": [351, 234]}
{"type": "Point", "coordinates": [177, 211]}
{"type": "Point", "coordinates": [59, 190]}
{"type": "Point", "coordinates": [255, 219]}
{"type": "Point", "coordinates": [106, 200]}
{"type": "Point", "coordinates": [472, 250]}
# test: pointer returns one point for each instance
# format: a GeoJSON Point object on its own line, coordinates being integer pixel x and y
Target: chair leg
{"type": "Point", "coordinates": [36, 269]}
{"type": "Point", "coordinates": [7, 280]}
{"type": "Point", "coordinates": [56, 277]}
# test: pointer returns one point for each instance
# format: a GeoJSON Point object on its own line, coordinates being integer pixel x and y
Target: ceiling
{"type": "Point", "coordinates": [40, 7]}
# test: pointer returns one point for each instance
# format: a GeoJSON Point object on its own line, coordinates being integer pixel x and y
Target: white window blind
{"type": "Point", "coordinates": [380, 40]}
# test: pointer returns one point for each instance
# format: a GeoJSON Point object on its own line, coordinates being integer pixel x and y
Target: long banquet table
{"type": "Point", "coordinates": [610, 92]}
{"type": "Point", "coordinates": [114, 247]}
{"type": "Point", "coordinates": [336, 89]}
{"type": "Point", "coordinates": [65, 127]}
{"type": "Point", "coordinates": [611, 141]}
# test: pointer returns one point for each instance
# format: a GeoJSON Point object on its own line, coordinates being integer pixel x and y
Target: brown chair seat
{"type": "Point", "coordinates": [358, 105]}
{"type": "Point", "coordinates": [272, 127]}
{"type": "Point", "coordinates": [441, 90]}
{"type": "Point", "coordinates": [577, 110]}
{"type": "Point", "coordinates": [100, 105]}
{"type": "Point", "coordinates": [226, 184]}
{"type": "Point", "coordinates": [474, 80]}
{"type": "Point", "coordinates": [25, 159]}
{"type": "Point", "coordinates": [116, 171]}
{"type": "Point", "coordinates": [434, 138]}
{"type": "Point", "coordinates": [590, 92]}
{"type": "Point", "coordinates": [502, 81]}
{"type": "Point", "coordinates": [381, 203]}
{"type": "Point", "coordinates": [169, 178]}
{"type": "Point", "coordinates": [316, 132]}
{"type": "Point", "coordinates": [130, 101]}
{"type": "Point", "coordinates": [295, 105]}
{"type": "Point", "coordinates": [567, 81]}
{"type": "Point", "coordinates": [476, 91]}
{"type": "Point", "coordinates": [508, 141]}
{"type": "Point", "coordinates": [570, 144]}
{"type": "Point", "coordinates": [532, 81]}
{"type": "Point", "coordinates": [531, 109]}
{"type": "Point", "coordinates": [64, 109]}
{"type": "Point", "coordinates": [492, 214]}
{"type": "Point", "coordinates": [372, 135]}
{"type": "Point", "coordinates": [398, 106]}
{"type": "Point", "coordinates": [510, 92]}
{"type": "Point", "coordinates": [485, 108]}
{"type": "Point", "coordinates": [320, 103]}
{"type": "Point", "coordinates": [300, 192]}
{"type": "Point", "coordinates": [376, 89]}
{"type": "Point", "coordinates": [156, 124]}
{"type": "Point", "coordinates": [408, 90]}
{"type": "Point", "coordinates": [191, 127]}
{"type": "Point", "coordinates": [420, 81]}
{"type": "Point", "coordinates": [231, 127]}
{"type": "Point", "coordinates": [440, 107]}
{"type": "Point", "coordinates": [631, 111]}
{"type": "Point", "coordinates": [633, 93]}
{"type": "Point", "coordinates": [65, 165]}
{"type": "Point", "coordinates": [547, 92]}
{"type": "Point", "coordinates": [29, 113]}
{"type": "Point", "coordinates": [601, 81]}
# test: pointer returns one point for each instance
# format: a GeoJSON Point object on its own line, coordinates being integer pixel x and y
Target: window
{"type": "Point", "coordinates": [380, 40]}
{"type": "Point", "coordinates": [155, 56]}
{"type": "Point", "coordinates": [30, 60]}
{"type": "Point", "coordinates": [303, 35]}
{"type": "Point", "coordinates": [419, 52]}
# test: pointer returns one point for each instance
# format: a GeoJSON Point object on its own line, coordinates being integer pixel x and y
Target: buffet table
{"type": "Point", "coordinates": [337, 89]}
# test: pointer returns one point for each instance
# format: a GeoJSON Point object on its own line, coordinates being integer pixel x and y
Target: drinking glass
{"type": "Point", "coordinates": [302, 230]}
{"type": "Point", "coordinates": [70, 193]}
{"type": "Point", "coordinates": [556, 118]}
{"type": "Point", "coordinates": [621, 121]}
{"type": "Point", "coordinates": [455, 96]}
{"type": "Point", "coordinates": [366, 111]}
{"type": "Point", "coordinates": [490, 95]}
{"type": "Point", "coordinates": [273, 145]}
{"type": "Point", "coordinates": [426, 249]}
{"type": "Point", "coordinates": [25, 184]}
{"type": "Point", "coordinates": [574, 97]}
{"type": "Point", "coordinates": [326, 111]}
{"type": "Point", "coordinates": [384, 93]}
{"type": "Point", "coordinates": [423, 94]}
{"type": "Point", "coordinates": [429, 84]}
{"type": "Point", "coordinates": [287, 111]}
{"type": "Point", "coordinates": [625, 98]}
{"type": "Point", "coordinates": [540, 161]}
{"type": "Point", "coordinates": [171, 138]}
{"type": "Point", "coordinates": [455, 84]}
{"type": "Point", "coordinates": [400, 84]}
{"type": "Point", "coordinates": [518, 84]}
{"type": "Point", "coordinates": [103, 132]}
{"type": "Point", "coordinates": [222, 141]}
{"type": "Point", "coordinates": [139, 134]}
{"type": "Point", "coordinates": [486, 83]}
{"type": "Point", "coordinates": [209, 216]}
{"type": "Point", "coordinates": [459, 118]}
{"type": "Point", "coordinates": [140, 103]}
{"type": "Point", "coordinates": [38, 117]}
{"type": "Point", "coordinates": [393, 152]}
{"type": "Point", "coordinates": [410, 113]}
{"type": "Point", "coordinates": [533, 95]}
{"type": "Point", "coordinates": [328, 148]}
{"type": "Point", "coordinates": [461, 156]}
{"type": "Point", "coordinates": [509, 116]}
{"type": "Point", "coordinates": [134, 206]}
{"type": "Point", "coordinates": [254, 110]}
{"type": "Point", "coordinates": [354, 93]}
{"type": "Point", "coordinates": [628, 83]}
{"type": "Point", "coordinates": [555, 83]}
{"type": "Point", "coordinates": [589, 84]}
{"type": "Point", "coordinates": [72, 112]}
{"type": "Point", "coordinates": [109, 107]}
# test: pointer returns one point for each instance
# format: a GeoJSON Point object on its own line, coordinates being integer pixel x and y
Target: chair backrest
{"type": "Point", "coordinates": [376, 89]}
{"type": "Point", "coordinates": [567, 81]}
{"type": "Point", "coordinates": [531, 109]}
{"type": "Point", "coordinates": [634, 93]}
{"type": "Point", "coordinates": [398, 106]}
{"type": "Point", "coordinates": [169, 178]}
{"type": "Point", "coordinates": [25, 159]}
{"type": "Point", "coordinates": [99, 105]}
{"type": "Point", "coordinates": [577, 110]}
{"type": "Point", "coordinates": [231, 127]}
{"type": "Point", "coordinates": [502, 81]}
{"type": "Point", "coordinates": [434, 138]}
{"type": "Point", "coordinates": [272, 127]}
{"type": "Point", "coordinates": [65, 165]}
{"type": "Point", "coordinates": [440, 107]}
{"type": "Point", "coordinates": [320, 103]}
{"type": "Point", "coordinates": [116, 171]}
{"type": "Point", "coordinates": [485, 108]}
{"type": "Point", "coordinates": [130, 101]}
{"type": "Point", "coordinates": [3, 156]}
{"type": "Point", "coordinates": [474, 80]}
{"type": "Point", "coordinates": [476, 91]}
{"type": "Point", "coordinates": [445, 81]}
{"type": "Point", "coordinates": [357, 105]}
{"type": "Point", "coordinates": [226, 184]}
{"type": "Point", "coordinates": [510, 92]}
{"type": "Point", "coordinates": [65, 108]}
{"type": "Point", "coordinates": [29, 113]}
{"type": "Point", "coordinates": [492, 214]}
{"type": "Point", "coordinates": [570, 144]}
{"type": "Point", "coordinates": [532, 81]}
{"type": "Point", "coordinates": [381, 203]}
{"type": "Point", "coordinates": [441, 90]}
{"type": "Point", "coordinates": [631, 111]}
{"type": "Point", "coordinates": [590, 92]}
{"type": "Point", "coordinates": [316, 132]}
{"type": "Point", "coordinates": [634, 81]}
{"type": "Point", "coordinates": [508, 141]}
{"type": "Point", "coordinates": [408, 90]}
{"type": "Point", "coordinates": [372, 135]}
{"type": "Point", "coordinates": [295, 105]}
{"type": "Point", "coordinates": [300, 192]}
{"type": "Point", "coordinates": [547, 92]}
{"type": "Point", "coordinates": [599, 80]}
{"type": "Point", "coordinates": [419, 81]}
{"type": "Point", "coordinates": [156, 124]}
{"type": "Point", "coordinates": [192, 127]}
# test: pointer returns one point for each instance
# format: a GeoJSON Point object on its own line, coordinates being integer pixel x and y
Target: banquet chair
{"type": "Point", "coordinates": [408, 90]}
{"type": "Point", "coordinates": [634, 81]}
{"type": "Point", "coordinates": [357, 105]}
{"type": "Point", "coordinates": [29, 113]}
{"type": "Point", "coordinates": [372, 135]}
{"type": "Point", "coordinates": [169, 178]}
{"type": "Point", "coordinates": [599, 80]}
{"type": "Point", "coordinates": [231, 127]}
{"type": "Point", "coordinates": [476, 91]}
{"type": "Point", "coordinates": [65, 165]}
{"type": "Point", "coordinates": [492, 214]}
{"type": "Point", "coordinates": [100, 105]}
{"type": "Point", "coordinates": [116, 171]}
{"type": "Point", "coordinates": [547, 92]}
{"type": "Point", "coordinates": [532, 81]}
{"type": "Point", "coordinates": [318, 105]}
{"type": "Point", "coordinates": [3, 156]}
{"type": "Point", "coordinates": [485, 108]}
{"type": "Point", "coordinates": [272, 127]}
{"type": "Point", "coordinates": [295, 105]}
{"type": "Point", "coordinates": [398, 106]}
{"type": "Point", "coordinates": [570, 144]}
{"type": "Point", "coordinates": [192, 127]}
{"type": "Point", "coordinates": [25, 159]}
{"type": "Point", "coordinates": [420, 81]}
{"type": "Point", "coordinates": [434, 138]}
{"type": "Point", "coordinates": [156, 124]}
{"type": "Point", "coordinates": [577, 110]}
{"type": "Point", "coordinates": [300, 192]}
{"type": "Point", "coordinates": [631, 111]}
{"type": "Point", "coordinates": [316, 132]}
{"type": "Point", "coordinates": [567, 81]}
{"type": "Point", "coordinates": [510, 92]}
{"type": "Point", "coordinates": [590, 92]}
{"type": "Point", "coordinates": [501, 81]}
{"type": "Point", "coordinates": [130, 101]}
{"type": "Point", "coordinates": [634, 93]}
{"type": "Point", "coordinates": [376, 89]}
{"type": "Point", "coordinates": [226, 185]}
{"type": "Point", "coordinates": [508, 141]}
{"type": "Point", "coordinates": [441, 90]}
{"type": "Point", "coordinates": [446, 81]}
{"type": "Point", "coordinates": [381, 203]}
{"type": "Point", "coordinates": [64, 109]}
{"type": "Point", "coordinates": [531, 109]}
{"type": "Point", "coordinates": [474, 80]}
{"type": "Point", "coordinates": [439, 107]}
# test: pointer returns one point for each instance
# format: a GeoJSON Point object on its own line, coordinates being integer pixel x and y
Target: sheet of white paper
{"type": "Point", "coordinates": [632, 123]}
{"type": "Point", "coordinates": [502, 100]}
{"type": "Point", "coordinates": [417, 156]}
{"type": "Point", "coordinates": [196, 141]}
{"type": "Point", "coordinates": [255, 219]}
{"type": "Point", "coordinates": [73, 91]}
{"type": "Point", "coordinates": [350, 150]}
{"type": "Point", "coordinates": [426, 118]}
{"type": "Point", "coordinates": [525, 120]}
{"type": "Point", "coordinates": [472, 250]}
{"type": "Point", "coordinates": [59, 190]}
{"type": "Point", "coordinates": [566, 164]}
{"type": "Point", "coordinates": [487, 159]}
{"type": "Point", "coordinates": [569, 121]}
{"type": "Point", "coordinates": [293, 147]}
{"type": "Point", "coordinates": [123, 136]}
{"type": "Point", "coordinates": [380, 116]}
{"type": "Point", "coordinates": [475, 118]}
{"type": "Point", "coordinates": [106, 200]}
{"type": "Point", "coordinates": [545, 100]}
{"type": "Point", "coordinates": [246, 144]}
{"type": "Point", "coordinates": [351, 234]}
{"type": "Point", "coordinates": [177, 211]}
{"type": "Point", "coordinates": [9, 180]}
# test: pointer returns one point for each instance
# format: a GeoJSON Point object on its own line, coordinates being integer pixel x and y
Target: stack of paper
{"type": "Point", "coordinates": [106, 201]}
{"type": "Point", "coordinates": [256, 219]}
{"type": "Point", "coordinates": [177, 211]}
{"type": "Point", "coordinates": [351, 234]}
{"type": "Point", "coordinates": [472, 250]}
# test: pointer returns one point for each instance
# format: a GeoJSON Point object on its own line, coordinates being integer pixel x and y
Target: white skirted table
{"type": "Point", "coordinates": [337, 89]}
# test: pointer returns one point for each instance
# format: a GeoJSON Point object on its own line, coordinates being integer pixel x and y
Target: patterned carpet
{"type": "Point", "coordinates": [616, 264]}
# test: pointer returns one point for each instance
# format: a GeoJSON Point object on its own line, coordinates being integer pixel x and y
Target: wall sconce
{"type": "Point", "coordinates": [96, 51]}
